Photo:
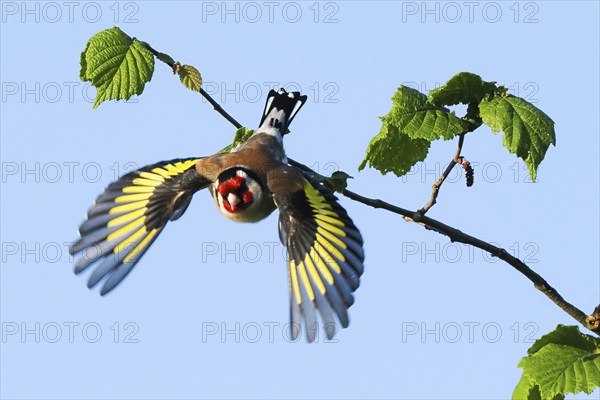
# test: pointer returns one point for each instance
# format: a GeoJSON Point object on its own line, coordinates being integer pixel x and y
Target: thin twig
{"type": "Point", "coordinates": [472, 120]}
{"type": "Point", "coordinates": [175, 67]}
{"type": "Point", "coordinates": [591, 322]}
{"type": "Point", "coordinates": [219, 109]}
{"type": "Point", "coordinates": [435, 189]}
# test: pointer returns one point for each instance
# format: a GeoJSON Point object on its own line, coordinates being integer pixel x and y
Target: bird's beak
{"type": "Point", "coordinates": [232, 199]}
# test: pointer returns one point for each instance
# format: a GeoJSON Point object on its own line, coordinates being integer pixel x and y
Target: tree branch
{"type": "Point", "coordinates": [591, 322]}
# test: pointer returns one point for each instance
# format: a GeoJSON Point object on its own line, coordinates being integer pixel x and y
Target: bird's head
{"type": "Point", "coordinates": [236, 190]}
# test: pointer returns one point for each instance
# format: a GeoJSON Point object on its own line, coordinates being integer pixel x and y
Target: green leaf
{"type": "Point", "coordinates": [117, 65]}
{"type": "Point", "coordinates": [563, 362]}
{"type": "Point", "coordinates": [241, 135]}
{"type": "Point", "coordinates": [562, 369]}
{"type": "Point", "coordinates": [392, 151]}
{"type": "Point", "coordinates": [415, 117]}
{"type": "Point", "coordinates": [567, 335]}
{"type": "Point", "coordinates": [337, 182]}
{"type": "Point", "coordinates": [528, 132]}
{"type": "Point", "coordinates": [527, 389]}
{"type": "Point", "coordinates": [190, 77]}
{"type": "Point", "coordinates": [407, 131]}
{"type": "Point", "coordinates": [464, 88]}
{"type": "Point", "coordinates": [83, 63]}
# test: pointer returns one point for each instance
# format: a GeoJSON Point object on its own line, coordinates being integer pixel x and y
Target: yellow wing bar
{"type": "Point", "coordinates": [130, 214]}
{"type": "Point", "coordinates": [325, 257]}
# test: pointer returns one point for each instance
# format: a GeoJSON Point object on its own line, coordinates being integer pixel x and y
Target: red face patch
{"type": "Point", "coordinates": [231, 185]}
{"type": "Point", "coordinates": [247, 197]}
{"type": "Point", "coordinates": [236, 185]}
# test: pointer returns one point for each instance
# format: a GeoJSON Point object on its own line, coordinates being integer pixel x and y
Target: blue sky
{"type": "Point", "coordinates": [203, 314]}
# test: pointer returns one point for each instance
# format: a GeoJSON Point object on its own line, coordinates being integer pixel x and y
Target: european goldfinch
{"type": "Point", "coordinates": [324, 247]}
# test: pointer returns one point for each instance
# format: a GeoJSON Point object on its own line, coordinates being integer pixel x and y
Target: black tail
{"type": "Point", "coordinates": [280, 110]}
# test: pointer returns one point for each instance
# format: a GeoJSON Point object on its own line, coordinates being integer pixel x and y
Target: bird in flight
{"type": "Point", "coordinates": [324, 247]}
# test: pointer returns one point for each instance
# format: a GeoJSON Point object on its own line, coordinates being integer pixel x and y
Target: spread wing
{"type": "Point", "coordinates": [130, 214]}
{"type": "Point", "coordinates": [325, 256]}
